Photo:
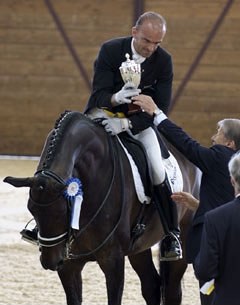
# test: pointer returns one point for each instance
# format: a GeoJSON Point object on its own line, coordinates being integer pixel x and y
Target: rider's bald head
{"type": "Point", "coordinates": [154, 18]}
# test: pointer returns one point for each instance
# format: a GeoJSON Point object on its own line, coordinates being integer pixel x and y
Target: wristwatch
{"type": "Point", "coordinates": [156, 112]}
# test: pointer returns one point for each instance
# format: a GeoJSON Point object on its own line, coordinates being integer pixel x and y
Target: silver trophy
{"type": "Point", "coordinates": [130, 71]}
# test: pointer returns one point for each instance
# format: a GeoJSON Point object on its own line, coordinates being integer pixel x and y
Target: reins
{"type": "Point", "coordinates": [70, 255]}
{"type": "Point", "coordinates": [108, 192]}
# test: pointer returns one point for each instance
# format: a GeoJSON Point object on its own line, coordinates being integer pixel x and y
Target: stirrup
{"type": "Point", "coordinates": [30, 236]}
{"type": "Point", "coordinates": [174, 251]}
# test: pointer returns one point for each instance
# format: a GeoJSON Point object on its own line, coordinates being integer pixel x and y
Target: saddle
{"type": "Point", "coordinates": [137, 151]}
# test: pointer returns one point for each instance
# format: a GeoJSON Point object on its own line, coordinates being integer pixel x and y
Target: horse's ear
{"type": "Point", "coordinates": [19, 182]}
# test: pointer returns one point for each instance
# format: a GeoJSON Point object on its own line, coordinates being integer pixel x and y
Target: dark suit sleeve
{"type": "Point", "coordinates": [203, 157]}
{"type": "Point", "coordinates": [206, 265]}
{"type": "Point", "coordinates": [104, 81]}
{"type": "Point", "coordinates": [163, 86]}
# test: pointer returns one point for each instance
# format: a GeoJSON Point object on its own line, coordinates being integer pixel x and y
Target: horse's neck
{"type": "Point", "coordinates": [80, 148]}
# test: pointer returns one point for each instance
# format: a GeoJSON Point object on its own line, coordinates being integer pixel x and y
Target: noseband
{"type": "Point", "coordinates": [51, 241]}
{"type": "Point", "coordinates": [50, 174]}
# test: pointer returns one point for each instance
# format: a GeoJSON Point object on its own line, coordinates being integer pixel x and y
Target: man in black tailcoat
{"type": "Point", "coordinates": [111, 94]}
{"type": "Point", "coordinates": [218, 258]}
{"type": "Point", "coordinates": [216, 188]}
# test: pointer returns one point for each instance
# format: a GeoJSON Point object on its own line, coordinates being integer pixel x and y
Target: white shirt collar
{"type": "Point", "coordinates": [139, 59]}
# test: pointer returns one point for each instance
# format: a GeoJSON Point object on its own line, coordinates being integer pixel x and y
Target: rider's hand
{"type": "Point", "coordinates": [124, 95]}
{"type": "Point", "coordinates": [115, 125]}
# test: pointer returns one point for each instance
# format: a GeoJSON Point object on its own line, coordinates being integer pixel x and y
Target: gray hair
{"type": "Point", "coordinates": [234, 169]}
{"type": "Point", "coordinates": [151, 16]}
{"type": "Point", "coordinates": [231, 130]}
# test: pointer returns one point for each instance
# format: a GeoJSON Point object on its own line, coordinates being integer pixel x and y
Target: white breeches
{"type": "Point", "coordinates": [160, 167]}
{"type": "Point", "coordinates": [150, 142]}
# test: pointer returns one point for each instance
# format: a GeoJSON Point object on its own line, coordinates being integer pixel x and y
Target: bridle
{"type": "Point", "coordinates": [68, 236]}
{"type": "Point", "coordinates": [50, 241]}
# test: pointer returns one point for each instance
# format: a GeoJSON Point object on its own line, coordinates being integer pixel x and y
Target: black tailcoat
{"type": "Point", "coordinates": [219, 254]}
{"type": "Point", "coordinates": [215, 188]}
{"type": "Point", "coordinates": [156, 79]}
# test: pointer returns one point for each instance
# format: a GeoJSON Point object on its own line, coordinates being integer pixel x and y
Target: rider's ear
{"type": "Point", "coordinates": [134, 31]}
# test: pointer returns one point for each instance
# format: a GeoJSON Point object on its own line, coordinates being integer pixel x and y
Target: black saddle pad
{"type": "Point", "coordinates": [137, 151]}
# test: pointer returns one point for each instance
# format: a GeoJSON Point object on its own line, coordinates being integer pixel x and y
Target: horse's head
{"type": "Point", "coordinates": [76, 147]}
{"type": "Point", "coordinates": [51, 213]}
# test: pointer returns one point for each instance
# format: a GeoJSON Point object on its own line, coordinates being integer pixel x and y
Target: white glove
{"type": "Point", "coordinates": [124, 95]}
{"type": "Point", "coordinates": [115, 125]}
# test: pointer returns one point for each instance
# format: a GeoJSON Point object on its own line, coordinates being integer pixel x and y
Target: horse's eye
{"type": "Point", "coordinates": [41, 188]}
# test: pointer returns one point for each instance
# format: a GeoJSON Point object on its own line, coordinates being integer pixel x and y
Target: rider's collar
{"type": "Point", "coordinates": [139, 59]}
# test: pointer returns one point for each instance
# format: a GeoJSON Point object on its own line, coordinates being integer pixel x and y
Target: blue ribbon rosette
{"type": "Point", "coordinates": [74, 194]}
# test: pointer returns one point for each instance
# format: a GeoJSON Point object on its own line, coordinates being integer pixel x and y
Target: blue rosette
{"type": "Point", "coordinates": [74, 194]}
{"type": "Point", "coordinates": [73, 188]}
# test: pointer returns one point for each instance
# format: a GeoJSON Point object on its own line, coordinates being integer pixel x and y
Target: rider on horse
{"type": "Point", "coordinates": [113, 99]}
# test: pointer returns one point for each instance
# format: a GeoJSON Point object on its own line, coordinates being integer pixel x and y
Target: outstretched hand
{"type": "Point", "coordinates": [186, 199]}
{"type": "Point", "coordinates": [145, 102]}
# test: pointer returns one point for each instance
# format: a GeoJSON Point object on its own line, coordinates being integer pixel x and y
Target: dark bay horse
{"type": "Point", "coordinates": [78, 148]}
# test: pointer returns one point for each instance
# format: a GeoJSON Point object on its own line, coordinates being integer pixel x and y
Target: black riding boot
{"type": "Point", "coordinates": [170, 247]}
{"type": "Point", "coordinates": [30, 236]}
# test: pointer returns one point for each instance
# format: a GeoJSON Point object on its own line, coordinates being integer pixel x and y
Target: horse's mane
{"type": "Point", "coordinates": [62, 123]}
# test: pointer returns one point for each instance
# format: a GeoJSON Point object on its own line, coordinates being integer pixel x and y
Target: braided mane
{"type": "Point", "coordinates": [60, 126]}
